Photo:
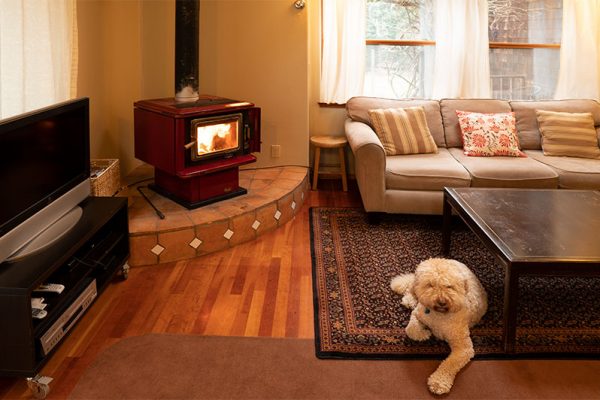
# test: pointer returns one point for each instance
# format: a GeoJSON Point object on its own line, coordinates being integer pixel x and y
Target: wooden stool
{"type": "Point", "coordinates": [329, 142]}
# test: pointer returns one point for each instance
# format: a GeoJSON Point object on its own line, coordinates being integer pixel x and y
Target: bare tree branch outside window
{"type": "Point", "coordinates": [398, 71]}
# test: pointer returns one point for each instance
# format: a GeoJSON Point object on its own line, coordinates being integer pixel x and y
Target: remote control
{"type": "Point", "coordinates": [37, 302]}
{"type": "Point", "coordinates": [50, 287]}
{"type": "Point", "coordinates": [39, 306]}
{"type": "Point", "coordinates": [37, 313]}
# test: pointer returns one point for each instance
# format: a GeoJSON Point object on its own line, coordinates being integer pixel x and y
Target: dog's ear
{"type": "Point", "coordinates": [411, 289]}
{"type": "Point", "coordinates": [414, 283]}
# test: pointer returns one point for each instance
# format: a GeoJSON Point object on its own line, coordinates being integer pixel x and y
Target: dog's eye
{"type": "Point", "coordinates": [449, 287]}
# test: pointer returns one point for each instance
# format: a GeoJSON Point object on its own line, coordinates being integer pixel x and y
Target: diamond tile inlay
{"type": "Point", "coordinates": [157, 249]}
{"type": "Point", "coordinates": [228, 234]}
{"type": "Point", "coordinates": [256, 224]}
{"type": "Point", "coordinates": [195, 243]}
{"type": "Point", "coordinates": [277, 215]}
{"type": "Point", "coordinates": [293, 205]}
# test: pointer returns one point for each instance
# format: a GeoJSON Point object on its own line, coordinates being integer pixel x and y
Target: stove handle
{"type": "Point", "coordinates": [189, 145]}
{"type": "Point", "coordinates": [247, 136]}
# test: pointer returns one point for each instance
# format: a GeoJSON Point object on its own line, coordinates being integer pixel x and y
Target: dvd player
{"type": "Point", "coordinates": [67, 320]}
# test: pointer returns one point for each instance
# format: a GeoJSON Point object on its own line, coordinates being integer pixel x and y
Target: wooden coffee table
{"type": "Point", "coordinates": [530, 232]}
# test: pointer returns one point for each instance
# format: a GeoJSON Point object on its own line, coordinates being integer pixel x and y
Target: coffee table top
{"type": "Point", "coordinates": [535, 224]}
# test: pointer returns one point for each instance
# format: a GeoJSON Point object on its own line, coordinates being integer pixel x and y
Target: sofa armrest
{"type": "Point", "coordinates": [369, 164]}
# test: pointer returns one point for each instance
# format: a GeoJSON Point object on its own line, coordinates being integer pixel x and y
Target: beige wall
{"type": "Point", "coordinates": [257, 51]}
{"type": "Point", "coordinates": [91, 75]}
{"type": "Point", "coordinates": [125, 54]}
{"type": "Point", "coordinates": [253, 50]}
{"type": "Point", "coordinates": [109, 74]}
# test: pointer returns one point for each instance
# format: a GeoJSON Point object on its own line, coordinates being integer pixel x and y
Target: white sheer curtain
{"type": "Point", "coordinates": [462, 67]}
{"type": "Point", "coordinates": [38, 54]}
{"type": "Point", "coordinates": [579, 73]}
{"type": "Point", "coordinates": [343, 60]}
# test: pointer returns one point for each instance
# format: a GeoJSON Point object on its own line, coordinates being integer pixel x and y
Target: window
{"type": "Point", "coordinates": [400, 48]}
{"type": "Point", "coordinates": [524, 38]}
{"type": "Point", "coordinates": [38, 54]}
{"type": "Point", "coordinates": [524, 48]}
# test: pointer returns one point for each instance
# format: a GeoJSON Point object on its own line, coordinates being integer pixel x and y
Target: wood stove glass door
{"type": "Point", "coordinates": [215, 135]}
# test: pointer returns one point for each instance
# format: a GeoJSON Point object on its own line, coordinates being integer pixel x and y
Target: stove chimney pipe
{"type": "Point", "coordinates": [187, 43]}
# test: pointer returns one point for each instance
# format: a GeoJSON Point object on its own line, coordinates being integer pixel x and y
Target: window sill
{"type": "Point", "coordinates": [332, 105]}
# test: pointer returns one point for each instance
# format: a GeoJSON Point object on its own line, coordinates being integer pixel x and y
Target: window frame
{"type": "Point", "coordinates": [493, 45]}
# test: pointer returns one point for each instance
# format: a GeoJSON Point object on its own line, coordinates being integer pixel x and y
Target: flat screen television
{"type": "Point", "coordinates": [44, 175]}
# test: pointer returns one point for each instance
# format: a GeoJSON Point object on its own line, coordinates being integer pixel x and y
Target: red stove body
{"type": "Point", "coordinates": [196, 148]}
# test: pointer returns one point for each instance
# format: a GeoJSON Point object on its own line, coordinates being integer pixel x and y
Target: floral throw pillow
{"type": "Point", "coordinates": [487, 135]}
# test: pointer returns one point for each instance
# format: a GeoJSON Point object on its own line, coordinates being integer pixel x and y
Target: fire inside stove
{"type": "Point", "coordinates": [215, 135]}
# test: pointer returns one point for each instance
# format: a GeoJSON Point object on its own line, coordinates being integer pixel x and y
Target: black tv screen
{"type": "Point", "coordinates": [43, 154]}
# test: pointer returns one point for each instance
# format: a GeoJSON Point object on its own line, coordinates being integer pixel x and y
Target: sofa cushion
{"type": "Point", "coordinates": [402, 130]}
{"type": "Point", "coordinates": [448, 108]}
{"type": "Point", "coordinates": [573, 172]}
{"type": "Point", "coordinates": [425, 172]}
{"type": "Point", "coordinates": [507, 172]}
{"type": "Point", "coordinates": [488, 135]}
{"type": "Point", "coordinates": [527, 124]}
{"type": "Point", "coordinates": [568, 134]}
{"type": "Point", "coordinates": [358, 108]}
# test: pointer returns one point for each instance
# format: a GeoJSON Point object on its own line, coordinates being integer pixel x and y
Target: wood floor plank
{"type": "Point", "coordinates": [209, 302]}
{"type": "Point", "coordinates": [255, 313]}
{"type": "Point", "coordinates": [225, 306]}
{"type": "Point", "coordinates": [282, 298]}
{"type": "Point", "coordinates": [240, 276]}
{"type": "Point", "coordinates": [268, 311]}
{"type": "Point", "coordinates": [241, 319]}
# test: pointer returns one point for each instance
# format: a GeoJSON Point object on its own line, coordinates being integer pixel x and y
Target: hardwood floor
{"type": "Point", "coordinates": [260, 288]}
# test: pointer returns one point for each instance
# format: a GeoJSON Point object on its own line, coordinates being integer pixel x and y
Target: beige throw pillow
{"type": "Point", "coordinates": [568, 134]}
{"type": "Point", "coordinates": [403, 130]}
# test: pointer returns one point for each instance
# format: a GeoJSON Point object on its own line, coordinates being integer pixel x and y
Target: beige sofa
{"type": "Point", "coordinates": [413, 183]}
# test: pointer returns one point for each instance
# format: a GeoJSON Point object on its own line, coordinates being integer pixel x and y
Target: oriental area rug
{"type": "Point", "coordinates": [358, 316]}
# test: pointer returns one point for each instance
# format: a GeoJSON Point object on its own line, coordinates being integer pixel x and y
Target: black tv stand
{"type": "Point", "coordinates": [84, 259]}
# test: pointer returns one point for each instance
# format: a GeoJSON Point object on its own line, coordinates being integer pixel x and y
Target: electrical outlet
{"type": "Point", "coordinates": [275, 151]}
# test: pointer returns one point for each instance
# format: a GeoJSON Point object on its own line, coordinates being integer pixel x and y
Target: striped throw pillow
{"type": "Point", "coordinates": [568, 134]}
{"type": "Point", "coordinates": [403, 130]}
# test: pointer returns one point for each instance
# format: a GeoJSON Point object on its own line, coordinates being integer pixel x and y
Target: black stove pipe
{"type": "Point", "coordinates": [187, 43]}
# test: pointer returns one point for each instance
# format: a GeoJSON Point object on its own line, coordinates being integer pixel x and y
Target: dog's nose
{"type": "Point", "coordinates": [441, 306]}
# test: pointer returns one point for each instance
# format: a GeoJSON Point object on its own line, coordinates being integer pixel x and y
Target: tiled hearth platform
{"type": "Point", "coordinates": [274, 197]}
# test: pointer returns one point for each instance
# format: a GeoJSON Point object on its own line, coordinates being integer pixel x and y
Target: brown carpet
{"type": "Point", "coordinates": [357, 315]}
{"type": "Point", "coordinates": [164, 366]}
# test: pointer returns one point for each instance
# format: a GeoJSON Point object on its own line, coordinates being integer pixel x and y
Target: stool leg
{"type": "Point", "coordinates": [316, 167]}
{"type": "Point", "coordinates": [343, 169]}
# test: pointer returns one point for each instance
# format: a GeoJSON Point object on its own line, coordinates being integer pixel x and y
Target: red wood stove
{"type": "Point", "coordinates": [196, 148]}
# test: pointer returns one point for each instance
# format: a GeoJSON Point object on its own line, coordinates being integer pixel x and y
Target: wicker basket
{"type": "Point", "coordinates": [105, 177]}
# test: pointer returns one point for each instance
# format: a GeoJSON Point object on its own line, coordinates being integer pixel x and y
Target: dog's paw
{"type": "Point", "coordinates": [439, 383]}
{"type": "Point", "coordinates": [401, 283]}
{"type": "Point", "coordinates": [409, 301]}
{"type": "Point", "coordinates": [417, 332]}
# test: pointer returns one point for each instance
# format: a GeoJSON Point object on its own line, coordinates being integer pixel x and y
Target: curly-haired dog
{"type": "Point", "coordinates": [447, 299]}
